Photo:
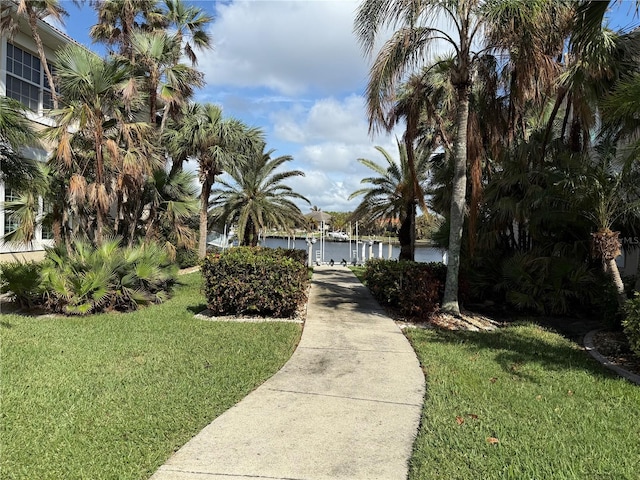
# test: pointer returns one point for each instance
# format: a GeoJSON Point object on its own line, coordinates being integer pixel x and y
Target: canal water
{"type": "Point", "coordinates": [327, 250]}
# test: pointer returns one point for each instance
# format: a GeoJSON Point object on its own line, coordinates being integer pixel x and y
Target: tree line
{"type": "Point", "coordinates": [520, 130]}
{"type": "Point", "coordinates": [124, 127]}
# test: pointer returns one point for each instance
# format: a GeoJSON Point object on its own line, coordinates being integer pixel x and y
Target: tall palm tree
{"type": "Point", "coordinates": [156, 56]}
{"type": "Point", "coordinates": [190, 25]}
{"type": "Point", "coordinates": [119, 19]}
{"type": "Point", "coordinates": [217, 144]}
{"type": "Point", "coordinates": [416, 33]}
{"type": "Point", "coordinates": [392, 195]}
{"type": "Point", "coordinates": [93, 92]}
{"type": "Point", "coordinates": [35, 11]}
{"type": "Point", "coordinates": [256, 197]}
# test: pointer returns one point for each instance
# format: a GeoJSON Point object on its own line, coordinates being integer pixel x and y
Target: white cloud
{"type": "Point", "coordinates": [295, 68]}
{"type": "Point", "coordinates": [291, 47]}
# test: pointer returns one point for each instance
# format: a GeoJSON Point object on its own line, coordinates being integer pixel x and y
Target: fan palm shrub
{"type": "Point", "coordinates": [89, 280]}
{"type": "Point", "coordinates": [21, 281]}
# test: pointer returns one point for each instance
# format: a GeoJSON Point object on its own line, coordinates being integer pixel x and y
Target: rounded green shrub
{"type": "Point", "coordinates": [255, 281]}
{"type": "Point", "coordinates": [631, 323]}
{"type": "Point", "coordinates": [414, 289]}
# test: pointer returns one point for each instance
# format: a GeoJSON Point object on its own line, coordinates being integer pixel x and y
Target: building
{"type": "Point", "coordinates": [22, 77]}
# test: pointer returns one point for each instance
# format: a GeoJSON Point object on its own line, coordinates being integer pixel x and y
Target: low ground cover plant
{"type": "Point", "coordinates": [521, 402]}
{"type": "Point", "coordinates": [114, 395]}
{"type": "Point", "coordinates": [255, 281]}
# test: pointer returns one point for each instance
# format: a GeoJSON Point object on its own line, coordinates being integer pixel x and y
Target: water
{"type": "Point", "coordinates": [343, 250]}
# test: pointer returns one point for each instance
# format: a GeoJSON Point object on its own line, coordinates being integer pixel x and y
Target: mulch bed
{"type": "Point", "coordinates": [615, 348]}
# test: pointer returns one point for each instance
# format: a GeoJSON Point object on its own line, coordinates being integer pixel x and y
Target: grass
{"type": "Point", "coordinates": [112, 396]}
{"type": "Point", "coordinates": [521, 403]}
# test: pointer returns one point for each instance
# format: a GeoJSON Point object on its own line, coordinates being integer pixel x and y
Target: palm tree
{"type": "Point", "coordinates": [190, 25]}
{"type": "Point", "coordinates": [23, 211]}
{"type": "Point", "coordinates": [392, 195]}
{"type": "Point", "coordinates": [156, 55]}
{"type": "Point", "coordinates": [16, 132]}
{"type": "Point", "coordinates": [606, 192]}
{"type": "Point", "coordinates": [256, 197]}
{"type": "Point", "coordinates": [35, 11]}
{"type": "Point", "coordinates": [119, 19]}
{"type": "Point", "coordinates": [171, 201]}
{"type": "Point", "coordinates": [216, 143]}
{"type": "Point", "coordinates": [93, 91]}
{"type": "Point", "coordinates": [416, 32]}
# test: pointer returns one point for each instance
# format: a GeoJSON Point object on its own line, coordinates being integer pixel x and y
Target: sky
{"type": "Point", "coordinates": [294, 69]}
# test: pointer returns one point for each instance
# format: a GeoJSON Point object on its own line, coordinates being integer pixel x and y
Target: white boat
{"type": "Point", "coordinates": [338, 236]}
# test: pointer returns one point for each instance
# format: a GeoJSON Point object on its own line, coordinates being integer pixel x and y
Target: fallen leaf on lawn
{"type": "Point", "coordinates": [460, 420]}
{"type": "Point", "coordinates": [473, 415]}
{"type": "Point", "coordinates": [492, 440]}
{"type": "Point", "coordinates": [493, 379]}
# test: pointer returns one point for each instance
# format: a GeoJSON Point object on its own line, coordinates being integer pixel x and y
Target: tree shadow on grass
{"type": "Point", "coordinates": [198, 308]}
{"type": "Point", "coordinates": [527, 343]}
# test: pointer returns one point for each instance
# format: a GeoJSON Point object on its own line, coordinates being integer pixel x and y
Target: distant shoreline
{"type": "Point", "coordinates": [366, 238]}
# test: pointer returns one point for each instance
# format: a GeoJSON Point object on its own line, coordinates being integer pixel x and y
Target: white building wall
{"type": "Point", "coordinates": [23, 39]}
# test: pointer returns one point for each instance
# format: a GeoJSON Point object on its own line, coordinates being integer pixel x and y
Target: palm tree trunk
{"type": "Point", "coordinates": [458, 203]}
{"type": "Point", "coordinates": [611, 268]}
{"type": "Point", "coordinates": [407, 234]}
{"type": "Point", "coordinates": [33, 23]}
{"type": "Point", "coordinates": [204, 206]}
{"type": "Point", "coordinates": [99, 183]}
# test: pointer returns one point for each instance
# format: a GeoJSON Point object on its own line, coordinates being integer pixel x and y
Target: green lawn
{"type": "Point", "coordinates": [112, 396]}
{"type": "Point", "coordinates": [550, 410]}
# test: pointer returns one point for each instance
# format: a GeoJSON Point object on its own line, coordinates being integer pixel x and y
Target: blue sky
{"type": "Point", "coordinates": [294, 68]}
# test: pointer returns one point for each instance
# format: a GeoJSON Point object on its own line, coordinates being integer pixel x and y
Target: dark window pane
{"type": "Point", "coordinates": [10, 221]}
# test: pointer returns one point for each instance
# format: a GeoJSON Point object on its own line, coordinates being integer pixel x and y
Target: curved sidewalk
{"type": "Point", "coordinates": [347, 404]}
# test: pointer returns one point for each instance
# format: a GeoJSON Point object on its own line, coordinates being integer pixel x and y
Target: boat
{"type": "Point", "coordinates": [338, 236]}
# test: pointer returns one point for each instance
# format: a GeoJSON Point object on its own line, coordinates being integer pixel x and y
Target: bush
{"type": "Point", "coordinates": [91, 280]}
{"type": "Point", "coordinates": [255, 281]}
{"type": "Point", "coordinates": [22, 282]}
{"type": "Point", "coordinates": [293, 253]}
{"type": "Point", "coordinates": [414, 289]}
{"type": "Point", "coordinates": [187, 257]}
{"type": "Point", "coordinates": [543, 285]}
{"type": "Point", "coordinates": [631, 323]}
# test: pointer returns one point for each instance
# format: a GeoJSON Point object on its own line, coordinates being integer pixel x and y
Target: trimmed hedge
{"type": "Point", "coordinates": [414, 289]}
{"type": "Point", "coordinates": [631, 323]}
{"type": "Point", "coordinates": [255, 281]}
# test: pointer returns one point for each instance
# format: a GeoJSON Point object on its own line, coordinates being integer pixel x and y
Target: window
{"type": "Point", "coordinates": [10, 222]}
{"type": "Point", "coordinates": [25, 79]}
{"type": "Point", "coordinates": [47, 230]}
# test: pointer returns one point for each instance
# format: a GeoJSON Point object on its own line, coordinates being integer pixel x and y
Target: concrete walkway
{"type": "Point", "coordinates": [346, 405]}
